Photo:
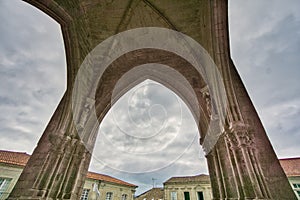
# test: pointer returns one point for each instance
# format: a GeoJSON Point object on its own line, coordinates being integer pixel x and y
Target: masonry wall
{"type": "Point", "coordinates": [295, 184]}
{"type": "Point", "coordinates": [192, 188]}
{"type": "Point", "coordinates": [105, 187]}
{"type": "Point", "coordinates": [9, 172]}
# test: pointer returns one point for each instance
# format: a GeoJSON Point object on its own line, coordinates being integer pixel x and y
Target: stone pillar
{"type": "Point", "coordinates": [223, 177]}
{"type": "Point", "coordinates": [59, 163]}
{"type": "Point", "coordinates": [241, 146]}
{"type": "Point", "coordinates": [236, 171]}
{"type": "Point", "coordinates": [243, 164]}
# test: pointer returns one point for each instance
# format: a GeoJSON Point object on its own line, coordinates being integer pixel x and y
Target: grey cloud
{"type": "Point", "coordinates": [32, 72]}
{"type": "Point", "coordinates": [265, 48]}
{"type": "Point", "coordinates": [7, 101]}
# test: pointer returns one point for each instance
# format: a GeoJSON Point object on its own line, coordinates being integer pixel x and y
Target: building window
{"type": "Point", "coordinates": [4, 183]}
{"type": "Point", "coordinates": [186, 195]}
{"type": "Point", "coordinates": [298, 192]}
{"type": "Point", "coordinates": [296, 185]}
{"type": "Point", "coordinates": [200, 196]}
{"type": "Point", "coordinates": [85, 194]}
{"type": "Point", "coordinates": [109, 196]}
{"type": "Point", "coordinates": [173, 195]}
{"type": "Point", "coordinates": [124, 197]}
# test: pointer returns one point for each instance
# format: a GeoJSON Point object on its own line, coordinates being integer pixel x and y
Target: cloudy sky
{"type": "Point", "coordinates": [265, 45]}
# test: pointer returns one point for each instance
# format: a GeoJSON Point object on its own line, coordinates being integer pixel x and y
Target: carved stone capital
{"type": "Point", "coordinates": [89, 103]}
{"type": "Point", "coordinates": [239, 135]}
{"type": "Point", "coordinates": [238, 126]}
{"type": "Point", "coordinates": [206, 96]}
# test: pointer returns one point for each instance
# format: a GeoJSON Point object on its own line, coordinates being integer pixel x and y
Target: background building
{"type": "Point", "coordinates": [199, 188]}
{"type": "Point", "coordinates": [291, 167]}
{"type": "Point", "coordinates": [96, 186]}
{"type": "Point", "coordinates": [103, 187]}
{"type": "Point", "coordinates": [11, 166]}
{"type": "Point", "coordinates": [188, 188]}
{"type": "Point", "coordinates": [181, 188]}
{"type": "Point", "coordinates": [152, 194]}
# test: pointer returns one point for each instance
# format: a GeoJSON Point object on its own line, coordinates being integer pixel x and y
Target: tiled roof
{"type": "Point", "coordinates": [106, 178]}
{"type": "Point", "coordinates": [154, 193]}
{"type": "Point", "coordinates": [291, 166]}
{"type": "Point", "coordinates": [20, 159]}
{"type": "Point", "coordinates": [189, 179]}
{"type": "Point", "coordinates": [14, 158]}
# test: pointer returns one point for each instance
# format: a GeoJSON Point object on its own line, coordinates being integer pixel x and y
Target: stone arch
{"type": "Point", "coordinates": [132, 73]}
{"type": "Point", "coordinates": [159, 77]}
{"type": "Point", "coordinates": [242, 164]}
{"type": "Point", "coordinates": [53, 9]}
{"type": "Point", "coordinates": [132, 146]}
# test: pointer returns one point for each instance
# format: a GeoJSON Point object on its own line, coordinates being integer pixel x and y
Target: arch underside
{"type": "Point", "coordinates": [242, 164]}
{"type": "Point", "coordinates": [172, 71]}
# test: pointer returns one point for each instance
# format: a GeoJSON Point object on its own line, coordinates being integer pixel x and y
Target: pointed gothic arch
{"type": "Point", "coordinates": [242, 164]}
{"type": "Point", "coordinates": [135, 140]}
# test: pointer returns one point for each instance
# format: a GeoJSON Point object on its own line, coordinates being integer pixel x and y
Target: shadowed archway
{"type": "Point", "coordinates": [242, 164]}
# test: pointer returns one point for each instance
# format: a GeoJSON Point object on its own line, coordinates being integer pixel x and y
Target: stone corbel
{"type": "Point", "coordinates": [86, 111]}
{"type": "Point", "coordinates": [239, 135]}
{"type": "Point", "coordinates": [206, 96]}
